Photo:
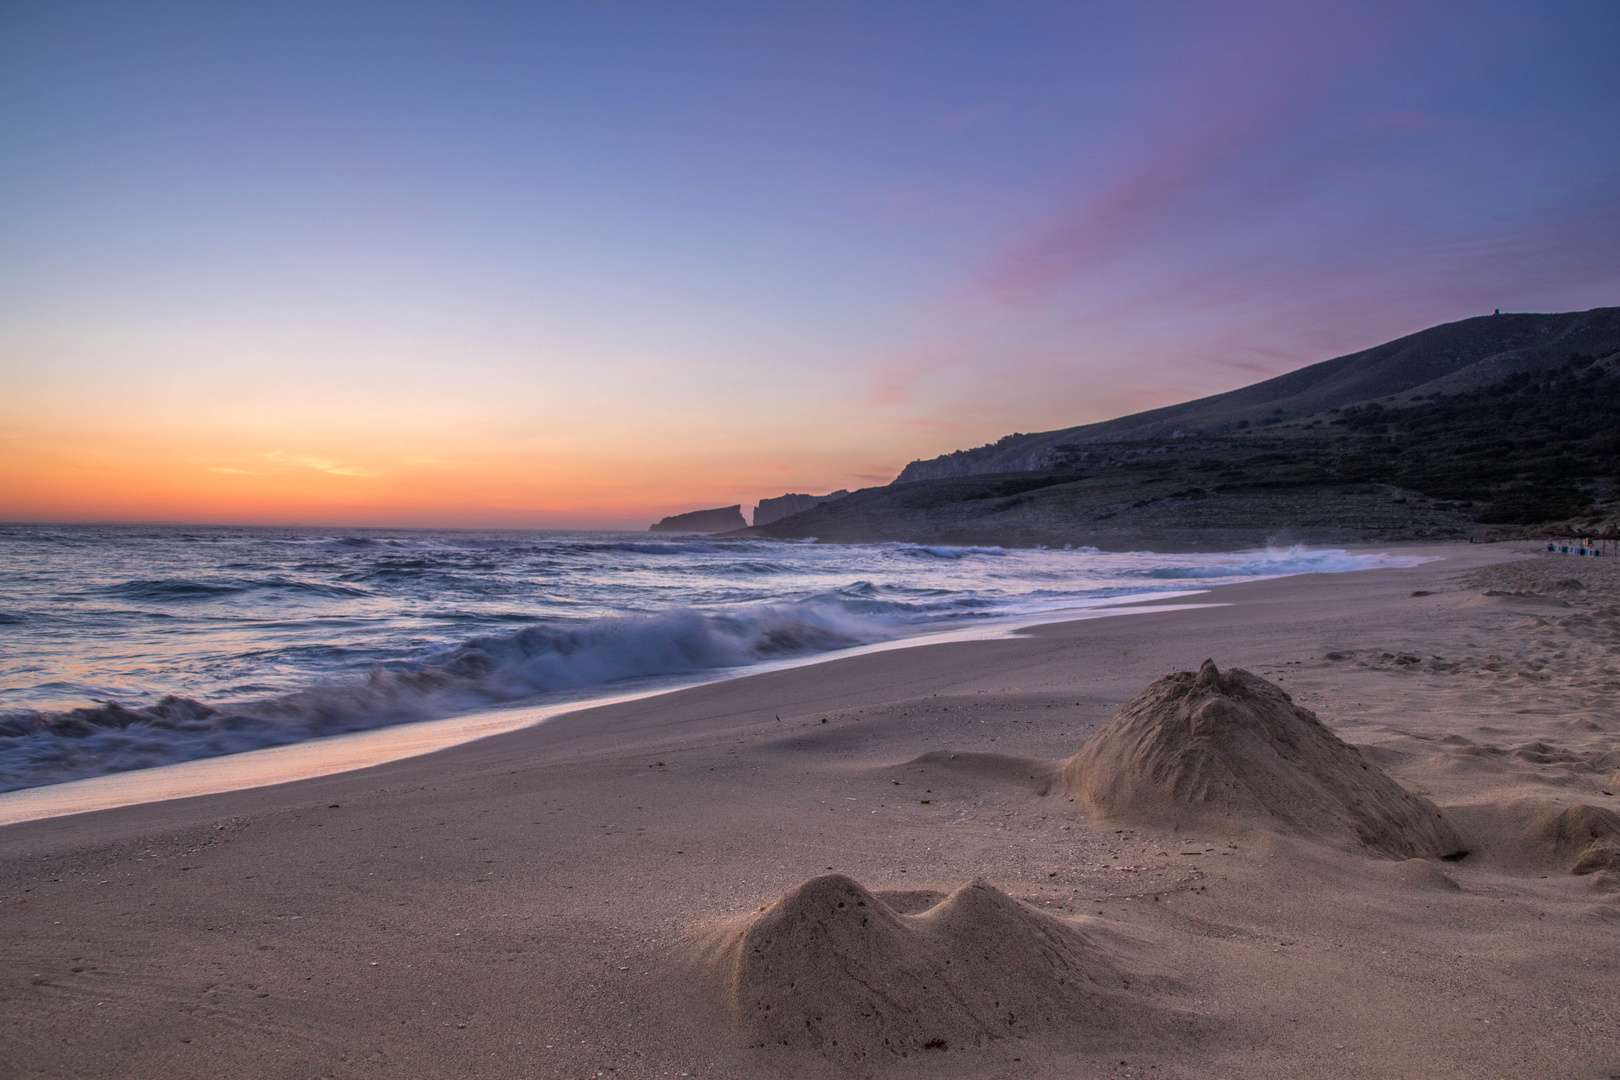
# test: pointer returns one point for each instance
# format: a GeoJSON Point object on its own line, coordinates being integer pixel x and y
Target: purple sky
{"type": "Point", "coordinates": [590, 264]}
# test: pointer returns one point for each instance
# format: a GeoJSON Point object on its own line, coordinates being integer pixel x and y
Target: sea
{"type": "Point", "coordinates": [130, 646]}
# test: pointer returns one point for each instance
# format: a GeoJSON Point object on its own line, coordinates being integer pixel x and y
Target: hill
{"type": "Point", "coordinates": [1514, 436]}
{"type": "Point", "coordinates": [1445, 359]}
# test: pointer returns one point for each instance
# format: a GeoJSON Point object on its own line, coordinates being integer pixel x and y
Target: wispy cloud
{"type": "Point", "coordinates": [893, 379]}
{"type": "Point", "coordinates": [230, 471]}
{"type": "Point", "coordinates": [1222, 121]}
{"type": "Point", "coordinates": [1556, 251]}
{"type": "Point", "coordinates": [325, 465]}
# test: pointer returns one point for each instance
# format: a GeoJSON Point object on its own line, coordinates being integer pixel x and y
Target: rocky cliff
{"type": "Point", "coordinates": [782, 506]}
{"type": "Point", "coordinates": [723, 519]}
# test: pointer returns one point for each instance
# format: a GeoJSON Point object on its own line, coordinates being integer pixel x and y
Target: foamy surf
{"type": "Point", "coordinates": [324, 756]}
{"type": "Point", "coordinates": [130, 649]}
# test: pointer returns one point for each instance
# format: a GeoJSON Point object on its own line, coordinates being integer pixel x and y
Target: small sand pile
{"type": "Point", "coordinates": [1590, 833]}
{"type": "Point", "coordinates": [1212, 750]}
{"type": "Point", "coordinates": [833, 969]}
{"type": "Point", "coordinates": [1530, 835]}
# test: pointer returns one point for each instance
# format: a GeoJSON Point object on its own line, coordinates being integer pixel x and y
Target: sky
{"type": "Point", "coordinates": [570, 265]}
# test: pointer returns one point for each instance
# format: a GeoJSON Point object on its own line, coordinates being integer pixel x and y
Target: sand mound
{"type": "Point", "coordinates": [1212, 750]}
{"type": "Point", "coordinates": [1414, 874]}
{"type": "Point", "coordinates": [832, 969]}
{"type": "Point", "coordinates": [979, 770]}
{"type": "Point", "coordinates": [1530, 835]}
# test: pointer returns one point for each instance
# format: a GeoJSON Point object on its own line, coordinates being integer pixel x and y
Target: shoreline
{"type": "Point", "coordinates": [159, 692]}
{"type": "Point", "coordinates": [535, 903]}
{"type": "Point", "coordinates": [338, 754]}
{"type": "Point", "coordinates": [350, 751]}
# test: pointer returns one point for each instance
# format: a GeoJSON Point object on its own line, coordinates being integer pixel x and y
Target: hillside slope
{"type": "Point", "coordinates": [1449, 359]}
{"type": "Point", "coordinates": [1538, 448]}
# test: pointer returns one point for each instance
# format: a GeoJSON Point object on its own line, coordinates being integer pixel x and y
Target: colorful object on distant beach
{"type": "Point", "coordinates": [1594, 547]}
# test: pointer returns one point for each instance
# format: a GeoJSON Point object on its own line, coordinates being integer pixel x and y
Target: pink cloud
{"type": "Point", "coordinates": [894, 378]}
{"type": "Point", "coordinates": [1428, 271]}
{"type": "Point", "coordinates": [1223, 119]}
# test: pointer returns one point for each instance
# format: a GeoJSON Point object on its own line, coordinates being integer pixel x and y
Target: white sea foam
{"type": "Point", "coordinates": [1281, 562]}
{"type": "Point", "coordinates": [194, 643]}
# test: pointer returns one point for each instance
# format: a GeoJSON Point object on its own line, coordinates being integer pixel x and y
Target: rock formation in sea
{"type": "Point", "coordinates": [783, 506]}
{"type": "Point", "coordinates": [722, 519]}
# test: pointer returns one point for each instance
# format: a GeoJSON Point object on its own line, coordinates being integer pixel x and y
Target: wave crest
{"type": "Point", "coordinates": [180, 590]}
{"type": "Point", "coordinates": [946, 551]}
{"type": "Point", "coordinates": [1274, 562]}
{"type": "Point", "coordinates": [40, 747]}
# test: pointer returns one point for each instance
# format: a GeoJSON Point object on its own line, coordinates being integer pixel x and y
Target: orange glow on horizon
{"type": "Point", "coordinates": [576, 270]}
{"type": "Point", "coordinates": [122, 476]}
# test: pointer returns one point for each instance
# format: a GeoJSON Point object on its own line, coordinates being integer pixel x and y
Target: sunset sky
{"type": "Point", "coordinates": [587, 264]}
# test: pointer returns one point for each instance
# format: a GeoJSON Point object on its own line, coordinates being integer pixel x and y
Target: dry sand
{"type": "Point", "coordinates": [653, 888]}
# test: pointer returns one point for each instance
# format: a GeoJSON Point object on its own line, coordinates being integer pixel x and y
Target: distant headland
{"type": "Point", "coordinates": [723, 519]}
{"type": "Point", "coordinates": [1497, 425]}
{"type": "Point", "coordinates": [784, 506]}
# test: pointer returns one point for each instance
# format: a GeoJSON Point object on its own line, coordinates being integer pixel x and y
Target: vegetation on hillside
{"type": "Point", "coordinates": [1537, 447]}
{"type": "Point", "coordinates": [1533, 448]}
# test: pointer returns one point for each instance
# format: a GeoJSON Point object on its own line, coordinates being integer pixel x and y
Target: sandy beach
{"type": "Point", "coordinates": [642, 889]}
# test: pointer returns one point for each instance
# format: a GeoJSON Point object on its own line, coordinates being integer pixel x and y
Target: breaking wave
{"type": "Point", "coordinates": [182, 590]}
{"type": "Point", "coordinates": [127, 647]}
{"type": "Point", "coordinates": [42, 747]}
{"type": "Point", "coordinates": [1275, 562]}
{"type": "Point", "coordinates": [940, 551]}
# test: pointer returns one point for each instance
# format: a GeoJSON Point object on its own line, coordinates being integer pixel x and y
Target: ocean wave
{"type": "Point", "coordinates": [689, 547]}
{"type": "Point", "coordinates": [173, 590]}
{"type": "Point", "coordinates": [756, 568]}
{"type": "Point", "coordinates": [169, 590]}
{"type": "Point", "coordinates": [416, 580]}
{"type": "Point", "coordinates": [270, 638]}
{"type": "Point", "coordinates": [1275, 562]}
{"type": "Point", "coordinates": [942, 551]}
{"type": "Point", "coordinates": [41, 747]}
{"type": "Point", "coordinates": [362, 542]}
{"type": "Point", "coordinates": [453, 616]}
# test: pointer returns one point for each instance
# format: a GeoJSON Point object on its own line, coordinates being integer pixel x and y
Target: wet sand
{"type": "Point", "coordinates": [548, 902]}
